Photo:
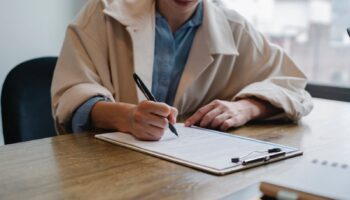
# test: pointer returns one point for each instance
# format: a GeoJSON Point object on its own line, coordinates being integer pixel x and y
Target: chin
{"type": "Point", "coordinates": [185, 4]}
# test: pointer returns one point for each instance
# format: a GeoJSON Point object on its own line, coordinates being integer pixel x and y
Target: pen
{"type": "Point", "coordinates": [150, 97]}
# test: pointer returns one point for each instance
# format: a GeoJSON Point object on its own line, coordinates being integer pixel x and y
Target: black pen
{"type": "Point", "coordinates": [150, 97]}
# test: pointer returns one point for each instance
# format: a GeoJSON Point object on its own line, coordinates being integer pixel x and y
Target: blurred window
{"type": "Point", "coordinates": [313, 32]}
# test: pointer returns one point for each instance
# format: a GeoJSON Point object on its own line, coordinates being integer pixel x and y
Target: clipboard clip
{"type": "Point", "coordinates": [263, 158]}
{"type": "Point", "coordinates": [273, 153]}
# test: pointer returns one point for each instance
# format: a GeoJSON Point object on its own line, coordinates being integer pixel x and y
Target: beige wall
{"type": "Point", "coordinates": [30, 29]}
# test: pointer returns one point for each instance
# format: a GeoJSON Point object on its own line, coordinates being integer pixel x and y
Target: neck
{"type": "Point", "coordinates": [174, 17]}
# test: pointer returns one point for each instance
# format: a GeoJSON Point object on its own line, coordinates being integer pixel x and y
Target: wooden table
{"type": "Point", "coordinates": [81, 167]}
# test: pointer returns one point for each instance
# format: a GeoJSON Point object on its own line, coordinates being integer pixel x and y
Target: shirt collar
{"type": "Point", "coordinates": [215, 29]}
{"type": "Point", "coordinates": [197, 18]}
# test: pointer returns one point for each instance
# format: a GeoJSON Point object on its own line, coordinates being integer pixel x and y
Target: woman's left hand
{"type": "Point", "coordinates": [223, 115]}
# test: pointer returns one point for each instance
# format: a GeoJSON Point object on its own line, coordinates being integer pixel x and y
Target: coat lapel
{"type": "Point", "coordinates": [139, 19]}
{"type": "Point", "coordinates": [199, 59]}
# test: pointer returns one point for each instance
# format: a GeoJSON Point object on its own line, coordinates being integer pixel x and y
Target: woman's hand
{"type": "Point", "coordinates": [223, 115]}
{"type": "Point", "coordinates": [146, 121]}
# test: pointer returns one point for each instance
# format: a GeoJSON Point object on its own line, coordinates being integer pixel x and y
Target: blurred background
{"type": "Point", "coordinates": [31, 29]}
{"type": "Point", "coordinates": [313, 32]}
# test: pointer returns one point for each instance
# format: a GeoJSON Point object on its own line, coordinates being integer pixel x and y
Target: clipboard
{"type": "Point", "coordinates": [206, 150]}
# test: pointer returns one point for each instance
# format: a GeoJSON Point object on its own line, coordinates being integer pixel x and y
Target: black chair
{"type": "Point", "coordinates": [26, 101]}
{"type": "Point", "coordinates": [329, 92]}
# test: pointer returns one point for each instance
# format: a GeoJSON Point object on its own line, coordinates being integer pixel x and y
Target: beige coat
{"type": "Point", "coordinates": [229, 59]}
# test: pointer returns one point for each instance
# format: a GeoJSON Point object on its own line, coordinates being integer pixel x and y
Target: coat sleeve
{"type": "Point", "coordinates": [82, 69]}
{"type": "Point", "coordinates": [271, 75]}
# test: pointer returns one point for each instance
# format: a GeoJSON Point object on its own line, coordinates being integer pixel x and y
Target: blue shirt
{"type": "Point", "coordinates": [170, 57]}
{"type": "Point", "coordinates": [171, 53]}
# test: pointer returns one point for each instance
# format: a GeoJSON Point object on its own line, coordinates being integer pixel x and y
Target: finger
{"type": "Point", "coordinates": [195, 118]}
{"type": "Point", "coordinates": [149, 133]}
{"type": "Point", "coordinates": [228, 124]}
{"type": "Point", "coordinates": [233, 122]}
{"type": "Point", "coordinates": [157, 108]}
{"type": "Point", "coordinates": [219, 120]}
{"type": "Point", "coordinates": [154, 132]}
{"type": "Point", "coordinates": [156, 120]}
{"type": "Point", "coordinates": [141, 134]}
{"type": "Point", "coordinates": [209, 117]}
{"type": "Point", "coordinates": [173, 115]}
{"type": "Point", "coordinates": [146, 137]}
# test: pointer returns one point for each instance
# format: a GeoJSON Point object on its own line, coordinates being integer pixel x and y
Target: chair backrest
{"type": "Point", "coordinates": [26, 101]}
{"type": "Point", "coordinates": [329, 92]}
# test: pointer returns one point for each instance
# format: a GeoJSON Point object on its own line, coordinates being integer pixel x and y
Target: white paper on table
{"type": "Point", "coordinates": [204, 149]}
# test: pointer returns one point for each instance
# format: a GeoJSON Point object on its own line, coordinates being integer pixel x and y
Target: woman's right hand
{"type": "Point", "coordinates": [146, 121]}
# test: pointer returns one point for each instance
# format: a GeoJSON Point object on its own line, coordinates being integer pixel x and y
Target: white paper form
{"type": "Point", "coordinates": [197, 147]}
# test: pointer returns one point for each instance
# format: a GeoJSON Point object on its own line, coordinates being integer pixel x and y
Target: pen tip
{"type": "Point", "coordinates": [176, 133]}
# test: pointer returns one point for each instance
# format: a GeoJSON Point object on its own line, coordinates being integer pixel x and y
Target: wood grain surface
{"type": "Point", "coordinates": [81, 167]}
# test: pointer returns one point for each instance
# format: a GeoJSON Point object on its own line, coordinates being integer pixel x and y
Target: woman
{"type": "Point", "coordinates": [205, 63]}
